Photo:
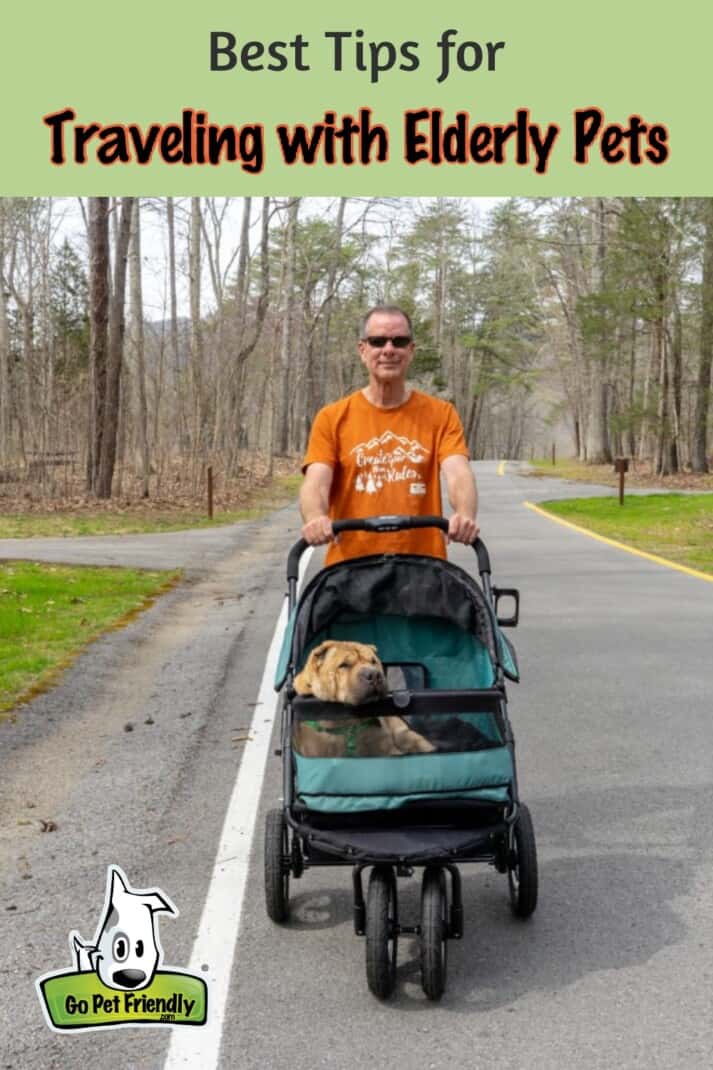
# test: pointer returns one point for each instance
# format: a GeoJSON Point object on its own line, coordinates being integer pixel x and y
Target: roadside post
{"type": "Point", "coordinates": [621, 465]}
{"type": "Point", "coordinates": [210, 491]}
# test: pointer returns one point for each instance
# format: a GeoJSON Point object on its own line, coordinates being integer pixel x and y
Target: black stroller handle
{"type": "Point", "coordinates": [381, 524]}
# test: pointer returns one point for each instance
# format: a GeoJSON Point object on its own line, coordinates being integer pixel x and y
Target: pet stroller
{"type": "Point", "coordinates": [437, 632]}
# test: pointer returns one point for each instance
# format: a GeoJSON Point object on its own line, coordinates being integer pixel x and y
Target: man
{"type": "Point", "coordinates": [380, 451]}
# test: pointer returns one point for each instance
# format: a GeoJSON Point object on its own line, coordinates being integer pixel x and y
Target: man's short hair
{"type": "Point", "coordinates": [391, 310]}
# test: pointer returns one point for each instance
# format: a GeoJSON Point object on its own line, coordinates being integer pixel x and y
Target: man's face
{"type": "Point", "coordinates": [386, 362]}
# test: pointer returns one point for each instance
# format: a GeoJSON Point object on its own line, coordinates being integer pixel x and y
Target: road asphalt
{"type": "Point", "coordinates": [134, 755]}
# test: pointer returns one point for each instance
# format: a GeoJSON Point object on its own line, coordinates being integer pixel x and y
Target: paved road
{"type": "Point", "coordinates": [199, 550]}
{"type": "Point", "coordinates": [615, 756]}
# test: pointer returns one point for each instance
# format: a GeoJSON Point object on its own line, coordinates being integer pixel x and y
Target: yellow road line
{"type": "Point", "coordinates": [620, 545]}
{"type": "Point", "coordinates": [501, 468]}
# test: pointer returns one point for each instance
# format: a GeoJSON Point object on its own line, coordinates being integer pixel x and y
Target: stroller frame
{"type": "Point", "coordinates": [435, 836]}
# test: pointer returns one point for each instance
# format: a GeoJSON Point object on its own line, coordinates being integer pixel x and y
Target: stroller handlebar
{"type": "Point", "coordinates": [382, 524]}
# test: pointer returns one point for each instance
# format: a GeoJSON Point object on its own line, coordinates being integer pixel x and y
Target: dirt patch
{"type": "Point", "coordinates": [175, 491]}
{"type": "Point", "coordinates": [640, 474]}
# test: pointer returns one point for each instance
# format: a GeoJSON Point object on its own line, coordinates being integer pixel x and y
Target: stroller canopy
{"type": "Point", "coordinates": [396, 585]}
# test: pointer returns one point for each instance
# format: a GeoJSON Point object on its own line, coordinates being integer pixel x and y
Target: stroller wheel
{"type": "Point", "coordinates": [434, 932]}
{"type": "Point", "coordinates": [381, 932]}
{"type": "Point", "coordinates": [522, 869]}
{"type": "Point", "coordinates": [277, 867]}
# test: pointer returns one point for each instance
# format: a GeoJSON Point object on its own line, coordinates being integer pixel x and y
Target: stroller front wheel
{"type": "Point", "coordinates": [434, 932]}
{"type": "Point", "coordinates": [522, 868]}
{"type": "Point", "coordinates": [277, 867]}
{"type": "Point", "coordinates": [381, 932]}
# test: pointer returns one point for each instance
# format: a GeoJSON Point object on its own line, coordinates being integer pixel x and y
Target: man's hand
{"type": "Point", "coordinates": [318, 531]}
{"type": "Point", "coordinates": [462, 529]}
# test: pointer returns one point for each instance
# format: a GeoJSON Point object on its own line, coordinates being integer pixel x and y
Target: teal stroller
{"type": "Point", "coordinates": [438, 634]}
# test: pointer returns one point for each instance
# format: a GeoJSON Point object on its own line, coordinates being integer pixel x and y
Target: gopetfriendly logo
{"type": "Point", "coordinates": [117, 980]}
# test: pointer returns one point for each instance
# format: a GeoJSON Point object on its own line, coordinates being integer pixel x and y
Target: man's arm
{"type": "Point", "coordinates": [314, 504]}
{"type": "Point", "coordinates": [463, 497]}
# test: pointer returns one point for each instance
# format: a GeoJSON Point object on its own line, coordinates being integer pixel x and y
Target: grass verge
{"type": "Point", "coordinates": [678, 527]}
{"type": "Point", "coordinates": [49, 613]}
{"type": "Point", "coordinates": [138, 520]}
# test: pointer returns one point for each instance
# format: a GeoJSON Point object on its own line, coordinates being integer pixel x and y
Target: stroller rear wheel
{"type": "Point", "coordinates": [277, 867]}
{"type": "Point", "coordinates": [434, 932]}
{"type": "Point", "coordinates": [522, 869]}
{"type": "Point", "coordinates": [381, 932]}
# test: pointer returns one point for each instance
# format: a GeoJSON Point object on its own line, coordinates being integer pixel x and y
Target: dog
{"type": "Point", "coordinates": [344, 671]}
{"type": "Point", "coordinates": [126, 951]}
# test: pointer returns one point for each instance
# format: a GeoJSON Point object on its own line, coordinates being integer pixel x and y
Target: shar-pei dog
{"type": "Point", "coordinates": [348, 672]}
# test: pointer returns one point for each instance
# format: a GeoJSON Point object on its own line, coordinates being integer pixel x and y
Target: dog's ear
{"type": "Point", "coordinates": [320, 652]}
{"type": "Point", "coordinates": [302, 683]}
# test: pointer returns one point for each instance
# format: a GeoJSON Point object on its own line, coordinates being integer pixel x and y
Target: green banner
{"type": "Point", "coordinates": [81, 1001]}
{"type": "Point", "coordinates": [373, 99]}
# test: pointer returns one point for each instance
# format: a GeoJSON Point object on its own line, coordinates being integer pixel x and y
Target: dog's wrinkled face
{"type": "Point", "coordinates": [340, 671]}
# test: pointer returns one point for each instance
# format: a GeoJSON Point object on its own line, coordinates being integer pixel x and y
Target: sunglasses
{"type": "Point", "coordinates": [378, 341]}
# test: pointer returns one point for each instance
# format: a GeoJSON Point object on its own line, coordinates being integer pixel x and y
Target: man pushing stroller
{"type": "Point", "coordinates": [381, 449]}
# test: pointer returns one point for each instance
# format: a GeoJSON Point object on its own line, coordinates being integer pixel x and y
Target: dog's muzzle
{"type": "Point", "coordinates": [373, 683]}
{"type": "Point", "coordinates": [129, 978]}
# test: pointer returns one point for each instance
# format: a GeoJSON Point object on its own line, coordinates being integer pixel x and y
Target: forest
{"type": "Point", "coordinates": [590, 314]}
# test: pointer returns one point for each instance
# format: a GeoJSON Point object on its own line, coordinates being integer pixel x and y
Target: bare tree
{"type": "Point", "coordinates": [196, 360]}
{"type": "Point", "coordinates": [699, 458]}
{"type": "Point", "coordinates": [5, 411]}
{"type": "Point", "coordinates": [99, 330]}
{"type": "Point", "coordinates": [281, 440]}
{"type": "Point", "coordinates": [115, 354]}
{"type": "Point", "coordinates": [137, 339]}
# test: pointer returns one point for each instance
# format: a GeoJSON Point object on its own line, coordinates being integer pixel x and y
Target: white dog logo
{"type": "Point", "coordinates": [126, 951]}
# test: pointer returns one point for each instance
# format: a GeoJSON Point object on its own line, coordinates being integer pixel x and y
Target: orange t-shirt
{"type": "Point", "coordinates": [385, 461]}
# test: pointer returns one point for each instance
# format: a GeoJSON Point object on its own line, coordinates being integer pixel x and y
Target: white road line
{"type": "Point", "coordinates": [199, 1047]}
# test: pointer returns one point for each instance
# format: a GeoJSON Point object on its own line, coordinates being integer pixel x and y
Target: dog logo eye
{"type": "Point", "coordinates": [120, 947]}
{"type": "Point", "coordinates": [139, 948]}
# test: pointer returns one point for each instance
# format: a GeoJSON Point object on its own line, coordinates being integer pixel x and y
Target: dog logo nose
{"type": "Point", "coordinates": [129, 978]}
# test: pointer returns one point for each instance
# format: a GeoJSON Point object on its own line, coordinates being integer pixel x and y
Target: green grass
{"type": "Point", "coordinates": [570, 468]}
{"type": "Point", "coordinates": [48, 613]}
{"type": "Point", "coordinates": [126, 522]}
{"type": "Point", "coordinates": [675, 526]}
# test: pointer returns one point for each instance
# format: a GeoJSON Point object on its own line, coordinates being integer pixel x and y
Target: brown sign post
{"type": "Point", "coordinates": [621, 465]}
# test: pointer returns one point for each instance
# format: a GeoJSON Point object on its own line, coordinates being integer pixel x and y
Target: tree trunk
{"type": "Point", "coordinates": [675, 458]}
{"type": "Point", "coordinates": [319, 391]}
{"type": "Point", "coordinates": [5, 411]}
{"type": "Point", "coordinates": [194, 269]}
{"type": "Point", "coordinates": [98, 330]}
{"type": "Point", "coordinates": [699, 457]}
{"type": "Point", "coordinates": [137, 338]}
{"type": "Point", "coordinates": [115, 352]}
{"type": "Point", "coordinates": [599, 448]}
{"type": "Point", "coordinates": [281, 441]}
{"type": "Point", "coordinates": [173, 317]}
{"type": "Point", "coordinates": [661, 456]}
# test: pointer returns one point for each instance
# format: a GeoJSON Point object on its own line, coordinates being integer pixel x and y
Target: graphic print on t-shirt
{"type": "Point", "coordinates": [390, 458]}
